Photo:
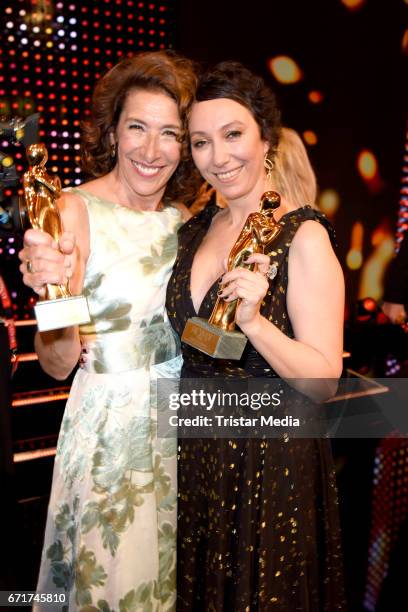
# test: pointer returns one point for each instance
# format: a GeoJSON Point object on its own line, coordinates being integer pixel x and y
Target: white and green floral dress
{"type": "Point", "coordinates": [110, 541]}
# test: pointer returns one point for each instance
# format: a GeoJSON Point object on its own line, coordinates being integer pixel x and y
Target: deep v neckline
{"type": "Point", "coordinates": [197, 312]}
{"type": "Point", "coordinates": [212, 211]}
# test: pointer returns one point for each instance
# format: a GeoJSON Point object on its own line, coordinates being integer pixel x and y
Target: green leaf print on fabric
{"type": "Point", "coordinates": [124, 455]}
{"type": "Point", "coordinates": [158, 343]}
{"type": "Point", "coordinates": [92, 284]}
{"type": "Point", "coordinates": [114, 513]}
{"type": "Point", "coordinates": [71, 455]}
{"type": "Point", "coordinates": [166, 496]}
{"type": "Point", "coordinates": [147, 596]}
{"type": "Point", "coordinates": [115, 317]}
{"type": "Point", "coordinates": [162, 480]}
{"type": "Point", "coordinates": [157, 319]}
{"type": "Point", "coordinates": [155, 342]}
{"type": "Point", "coordinates": [65, 520]}
{"type": "Point", "coordinates": [87, 575]}
{"type": "Point", "coordinates": [120, 450]}
{"type": "Point", "coordinates": [116, 310]}
{"type": "Point", "coordinates": [60, 556]}
{"type": "Point", "coordinates": [90, 518]}
{"type": "Point", "coordinates": [162, 253]}
{"type": "Point", "coordinates": [62, 575]}
{"type": "Point", "coordinates": [103, 606]}
{"type": "Point", "coordinates": [167, 561]}
{"type": "Point", "coordinates": [56, 551]}
{"type": "Point", "coordinates": [168, 447]}
{"type": "Point", "coordinates": [115, 314]}
{"type": "Point", "coordinates": [62, 571]}
{"type": "Point", "coordinates": [139, 600]}
{"type": "Point", "coordinates": [168, 502]}
{"type": "Point", "coordinates": [77, 435]}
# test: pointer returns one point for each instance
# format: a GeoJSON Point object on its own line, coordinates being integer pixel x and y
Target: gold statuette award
{"type": "Point", "coordinates": [217, 336]}
{"type": "Point", "coordinates": [39, 208]}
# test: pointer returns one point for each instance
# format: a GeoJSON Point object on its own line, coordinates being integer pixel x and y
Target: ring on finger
{"type": "Point", "coordinates": [272, 271]}
{"type": "Point", "coordinates": [29, 266]}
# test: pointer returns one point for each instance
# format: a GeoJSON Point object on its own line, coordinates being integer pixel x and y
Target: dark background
{"type": "Point", "coordinates": [355, 58]}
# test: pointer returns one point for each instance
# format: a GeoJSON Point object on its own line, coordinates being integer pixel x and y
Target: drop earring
{"type": "Point", "coordinates": [268, 165]}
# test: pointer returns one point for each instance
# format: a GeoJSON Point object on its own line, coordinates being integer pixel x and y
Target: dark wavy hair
{"type": "Point", "coordinates": [234, 81]}
{"type": "Point", "coordinates": [162, 71]}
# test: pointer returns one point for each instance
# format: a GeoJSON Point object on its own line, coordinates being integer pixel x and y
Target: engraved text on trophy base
{"type": "Point", "coordinates": [213, 340]}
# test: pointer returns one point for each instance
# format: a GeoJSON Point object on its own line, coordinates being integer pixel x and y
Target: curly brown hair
{"type": "Point", "coordinates": [162, 71]}
{"type": "Point", "coordinates": [234, 81]}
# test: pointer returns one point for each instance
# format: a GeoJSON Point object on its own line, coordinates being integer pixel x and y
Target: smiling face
{"type": "Point", "coordinates": [148, 148]}
{"type": "Point", "coordinates": [228, 150]}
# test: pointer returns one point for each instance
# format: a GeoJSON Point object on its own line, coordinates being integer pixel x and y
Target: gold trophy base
{"type": "Point", "coordinates": [63, 312]}
{"type": "Point", "coordinates": [213, 340]}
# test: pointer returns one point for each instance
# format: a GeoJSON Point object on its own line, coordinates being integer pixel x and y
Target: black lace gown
{"type": "Point", "coordinates": [257, 518]}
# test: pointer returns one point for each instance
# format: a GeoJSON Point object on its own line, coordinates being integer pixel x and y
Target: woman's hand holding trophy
{"type": "Point", "coordinates": [47, 254]}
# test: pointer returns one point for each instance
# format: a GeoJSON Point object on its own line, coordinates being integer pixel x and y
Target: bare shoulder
{"type": "Point", "coordinates": [310, 232]}
{"type": "Point", "coordinates": [103, 187]}
{"type": "Point", "coordinates": [98, 186]}
{"type": "Point", "coordinates": [311, 256]}
{"type": "Point", "coordinates": [73, 211]}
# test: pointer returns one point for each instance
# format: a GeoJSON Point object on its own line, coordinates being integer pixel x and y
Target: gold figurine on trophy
{"type": "Point", "coordinates": [41, 192]}
{"type": "Point", "coordinates": [217, 336]}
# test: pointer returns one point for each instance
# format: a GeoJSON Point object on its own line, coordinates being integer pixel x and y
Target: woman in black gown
{"type": "Point", "coordinates": [258, 519]}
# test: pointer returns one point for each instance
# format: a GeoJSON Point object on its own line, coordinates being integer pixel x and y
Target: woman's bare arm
{"type": "Point", "coordinates": [315, 302]}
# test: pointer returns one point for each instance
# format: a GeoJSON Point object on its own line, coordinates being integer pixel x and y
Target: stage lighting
{"type": "Point", "coordinates": [366, 310]}
{"type": "Point", "coordinates": [6, 160]}
{"type": "Point", "coordinates": [16, 130]}
{"type": "Point", "coordinates": [21, 130]}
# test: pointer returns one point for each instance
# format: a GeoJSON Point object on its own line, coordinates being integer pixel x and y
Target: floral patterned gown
{"type": "Point", "coordinates": [258, 525]}
{"type": "Point", "coordinates": [111, 526]}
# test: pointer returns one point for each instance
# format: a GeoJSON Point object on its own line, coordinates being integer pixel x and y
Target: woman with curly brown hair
{"type": "Point", "coordinates": [111, 529]}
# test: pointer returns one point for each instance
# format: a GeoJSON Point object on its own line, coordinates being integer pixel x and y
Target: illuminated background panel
{"type": "Point", "coordinates": [52, 53]}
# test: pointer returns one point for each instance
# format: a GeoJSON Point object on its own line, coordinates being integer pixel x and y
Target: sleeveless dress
{"type": "Point", "coordinates": [110, 541]}
{"type": "Point", "coordinates": [258, 525]}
